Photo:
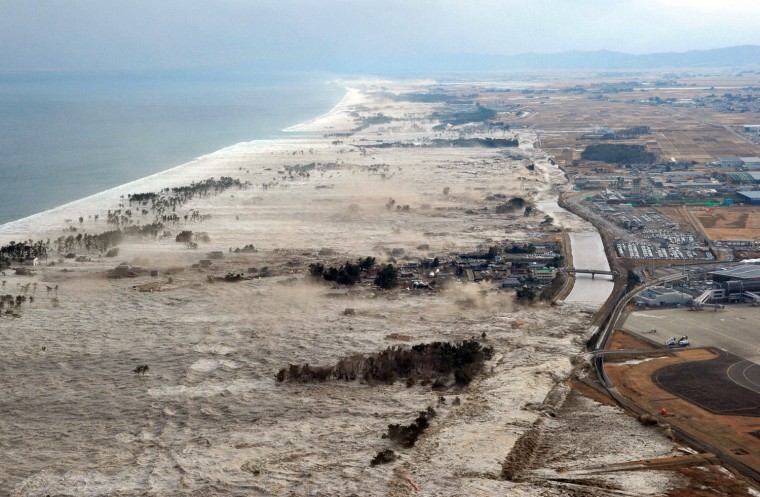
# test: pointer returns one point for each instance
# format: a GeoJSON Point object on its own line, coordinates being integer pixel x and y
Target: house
{"type": "Point", "coordinates": [510, 283]}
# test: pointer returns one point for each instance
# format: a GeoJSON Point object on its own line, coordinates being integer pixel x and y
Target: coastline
{"type": "Point", "coordinates": [172, 176]}
{"type": "Point", "coordinates": [322, 123]}
{"type": "Point", "coordinates": [121, 131]}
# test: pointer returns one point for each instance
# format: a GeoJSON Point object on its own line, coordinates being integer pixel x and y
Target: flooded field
{"type": "Point", "coordinates": [208, 416]}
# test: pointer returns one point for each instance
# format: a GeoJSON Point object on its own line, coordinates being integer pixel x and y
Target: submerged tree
{"type": "Point", "coordinates": [387, 278]}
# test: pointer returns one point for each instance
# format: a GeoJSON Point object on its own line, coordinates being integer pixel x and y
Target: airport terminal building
{"type": "Point", "coordinates": [738, 281]}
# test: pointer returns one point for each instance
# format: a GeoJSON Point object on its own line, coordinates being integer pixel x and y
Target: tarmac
{"type": "Point", "coordinates": [735, 329]}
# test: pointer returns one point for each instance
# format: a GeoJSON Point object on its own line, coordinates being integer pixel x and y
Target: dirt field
{"type": "Point", "coordinates": [729, 223]}
{"type": "Point", "coordinates": [678, 215]}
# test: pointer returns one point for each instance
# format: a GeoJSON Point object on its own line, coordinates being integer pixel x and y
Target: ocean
{"type": "Point", "coordinates": [67, 136]}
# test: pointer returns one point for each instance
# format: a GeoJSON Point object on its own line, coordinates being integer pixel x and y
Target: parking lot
{"type": "Point", "coordinates": [638, 250]}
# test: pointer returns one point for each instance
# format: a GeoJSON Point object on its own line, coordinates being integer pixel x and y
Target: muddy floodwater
{"type": "Point", "coordinates": [209, 417]}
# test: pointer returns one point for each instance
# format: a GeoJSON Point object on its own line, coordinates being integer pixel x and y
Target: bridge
{"type": "Point", "coordinates": [592, 272]}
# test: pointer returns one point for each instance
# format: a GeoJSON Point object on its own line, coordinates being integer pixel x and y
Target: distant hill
{"type": "Point", "coordinates": [605, 59]}
{"type": "Point", "coordinates": [599, 60]}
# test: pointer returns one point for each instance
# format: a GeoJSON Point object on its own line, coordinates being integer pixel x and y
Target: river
{"type": "Point", "coordinates": [588, 253]}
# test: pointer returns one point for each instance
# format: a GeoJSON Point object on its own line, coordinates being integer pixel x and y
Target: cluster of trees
{"type": "Point", "coordinates": [399, 208]}
{"type": "Point", "coordinates": [407, 435]}
{"type": "Point", "coordinates": [628, 133]}
{"type": "Point", "coordinates": [383, 457]}
{"type": "Point", "coordinates": [509, 206]}
{"type": "Point", "coordinates": [376, 119]}
{"type": "Point", "coordinates": [618, 153]}
{"type": "Point", "coordinates": [245, 250]}
{"type": "Point", "coordinates": [13, 302]}
{"type": "Point", "coordinates": [460, 362]}
{"type": "Point", "coordinates": [102, 242]}
{"type": "Point", "coordinates": [457, 142]}
{"type": "Point", "coordinates": [427, 98]}
{"type": "Point", "coordinates": [480, 114]}
{"type": "Point", "coordinates": [170, 198]}
{"type": "Point", "coordinates": [17, 252]}
{"type": "Point", "coordinates": [387, 277]}
{"type": "Point", "coordinates": [347, 274]}
{"type": "Point", "coordinates": [632, 279]}
{"type": "Point", "coordinates": [184, 236]}
{"type": "Point", "coordinates": [526, 294]}
{"type": "Point", "coordinates": [520, 249]}
{"type": "Point", "coordinates": [302, 170]}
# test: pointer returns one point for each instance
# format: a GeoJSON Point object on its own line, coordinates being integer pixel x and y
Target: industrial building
{"type": "Point", "coordinates": [730, 162]}
{"type": "Point", "coordinates": [751, 162]}
{"type": "Point", "coordinates": [739, 282]}
{"type": "Point", "coordinates": [751, 196]}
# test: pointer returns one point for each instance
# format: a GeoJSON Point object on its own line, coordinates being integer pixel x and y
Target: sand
{"type": "Point", "coordinates": [208, 417]}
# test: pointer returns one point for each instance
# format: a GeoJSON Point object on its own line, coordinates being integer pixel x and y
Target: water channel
{"type": "Point", "coordinates": [588, 253]}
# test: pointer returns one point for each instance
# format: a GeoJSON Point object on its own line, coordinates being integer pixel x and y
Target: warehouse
{"type": "Point", "coordinates": [751, 196]}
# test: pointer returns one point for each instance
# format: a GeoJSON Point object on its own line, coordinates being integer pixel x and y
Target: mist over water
{"type": "Point", "coordinates": [63, 137]}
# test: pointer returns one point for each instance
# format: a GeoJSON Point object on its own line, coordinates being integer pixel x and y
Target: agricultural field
{"type": "Point", "coordinates": [729, 223]}
{"type": "Point", "coordinates": [684, 133]}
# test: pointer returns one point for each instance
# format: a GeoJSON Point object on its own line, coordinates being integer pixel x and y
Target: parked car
{"type": "Point", "coordinates": [677, 342]}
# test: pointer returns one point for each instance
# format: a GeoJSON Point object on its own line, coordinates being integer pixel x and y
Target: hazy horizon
{"type": "Point", "coordinates": [350, 37]}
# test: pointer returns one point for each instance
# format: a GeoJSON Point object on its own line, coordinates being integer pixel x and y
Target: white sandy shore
{"type": "Point", "coordinates": [209, 418]}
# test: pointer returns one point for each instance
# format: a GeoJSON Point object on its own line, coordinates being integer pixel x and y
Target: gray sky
{"type": "Point", "coordinates": [340, 34]}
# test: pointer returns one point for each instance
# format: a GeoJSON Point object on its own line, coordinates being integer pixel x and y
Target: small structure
{"type": "Point", "coordinates": [510, 283]}
{"type": "Point", "coordinates": [660, 296]}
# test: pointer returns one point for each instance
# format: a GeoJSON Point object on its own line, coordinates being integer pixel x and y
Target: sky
{"type": "Point", "coordinates": [108, 35]}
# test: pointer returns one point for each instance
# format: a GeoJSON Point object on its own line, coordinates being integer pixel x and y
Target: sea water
{"type": "Point", "coordinates": [67, 136]}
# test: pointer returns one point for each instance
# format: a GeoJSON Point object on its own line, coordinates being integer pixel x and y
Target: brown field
{"type": "Point", "coordinates": [678, 215]}
{"type": "Point", "coordinates": [729, 223]}
{"type": "Point", "coordinates": [686, 134]}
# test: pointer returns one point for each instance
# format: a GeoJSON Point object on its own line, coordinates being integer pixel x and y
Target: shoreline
{"type": "Point", "coordinates": [13, 227]}
{"type": "Point", "coordinates": [337, 108]}
{"type": "Point", "coordinates": [125, 157]}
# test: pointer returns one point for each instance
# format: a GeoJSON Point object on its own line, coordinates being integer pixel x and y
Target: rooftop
{"type": "Point", "coordinates": [750, 194]}
{"type": "Point", "coordinates": [744, 272]}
